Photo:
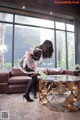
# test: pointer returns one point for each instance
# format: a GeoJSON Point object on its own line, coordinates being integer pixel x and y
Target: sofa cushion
{"type": "Point", "coordinates": [54, 71]}
{"type": "Point", "coordinates": [71, 72]}
{"type": "Point", "coordinates": [16, 72]}
{"type": "Point", "coordinates": [19, 80]}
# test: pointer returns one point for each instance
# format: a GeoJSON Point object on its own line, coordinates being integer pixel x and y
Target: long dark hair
{"type": "Point", "coordinates": [47, 49]}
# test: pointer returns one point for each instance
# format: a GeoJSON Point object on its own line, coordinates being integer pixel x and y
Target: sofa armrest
{"type": "Point", "coordinates": [4, 77]}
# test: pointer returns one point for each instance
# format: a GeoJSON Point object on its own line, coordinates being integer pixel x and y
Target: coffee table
{"type": "Point", "coordinates": [60, 92]}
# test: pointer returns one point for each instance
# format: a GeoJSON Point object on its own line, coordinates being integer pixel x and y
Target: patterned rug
{"type": "Point", "coordinates": [13, 106]}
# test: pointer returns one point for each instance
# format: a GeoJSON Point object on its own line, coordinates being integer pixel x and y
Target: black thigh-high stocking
{"type": "Point", "coordinates": [34, 88]}
{"type": "Point", "coordinates": [32, 84]}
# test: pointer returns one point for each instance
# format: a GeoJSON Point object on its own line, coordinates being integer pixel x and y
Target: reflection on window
{"type": "Point", "coordinates": [61, 51]}
{"type": "Point", "coordinates": [70, 27]}
{"type": "Point", "coordinates": [6, 46]}
{"type": "Point", "coordinates": [34, 21]}
{"type": "Point", "coordinates": [71, 50]}
{"type": "Point", "coordinates": [60, 25]}
{"type": "Point", "coordinates": [6, 17]}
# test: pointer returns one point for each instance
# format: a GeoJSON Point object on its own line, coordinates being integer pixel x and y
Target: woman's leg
{"type": "Point", "coordinates": [34, 88]}
{"type": "Point", "coordinates": [32, 84]}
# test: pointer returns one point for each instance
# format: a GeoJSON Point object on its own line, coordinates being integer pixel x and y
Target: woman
{"type": "Point", "coordinates": [27, 65]}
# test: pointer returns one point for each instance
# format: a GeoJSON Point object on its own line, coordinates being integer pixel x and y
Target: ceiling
{"type": "Point", "coordinates": [43, 6]}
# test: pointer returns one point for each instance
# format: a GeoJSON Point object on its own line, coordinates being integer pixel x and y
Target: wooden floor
{"type": "Point", "coordinates": [20, 109]}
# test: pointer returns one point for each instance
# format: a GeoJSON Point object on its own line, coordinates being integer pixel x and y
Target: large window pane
{"type": "Point", "coordinates": [5, 46]}
{"type": "Point", "coordinates": [71, 50]}
{"type": "Point", "coordinates": [44, 35]}
{"type": "Point", "coordinates": [34, 21]}
{"type": "Point", "coordinates": [60, 25]}
{"type": "Point", "coordinates": [70, 27]}
{"type": "Point", "coordinates": [26, 38]}
{"type": "Point", "coordinates": [6, 17]}
{"type": "Point", "coordinates": [61, 49]}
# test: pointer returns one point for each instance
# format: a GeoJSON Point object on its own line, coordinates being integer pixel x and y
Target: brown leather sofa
{"type": "Point", "coordinates": [4, 82]}
{"type": "Point", "coordinates": [15, 81]}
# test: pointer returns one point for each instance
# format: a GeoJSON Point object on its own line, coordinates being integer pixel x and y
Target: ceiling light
{"type": "Point", "coordinates": [51, 13]}
{"type": "Point", "coordinates": [23, 7]}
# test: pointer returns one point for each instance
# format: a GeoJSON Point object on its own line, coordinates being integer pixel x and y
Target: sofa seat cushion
{"type": "Point", "coordinates": [19, 80]}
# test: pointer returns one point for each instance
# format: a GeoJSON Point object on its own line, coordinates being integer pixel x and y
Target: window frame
{"type": "Point", "coordinates": [45, 18]}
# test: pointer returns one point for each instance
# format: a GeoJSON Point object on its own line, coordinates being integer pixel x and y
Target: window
{"type": "Point", "coordinates": [34, 21]}
{"type": "Point", "coordinates": [71, 46]}
{"type": "Point", "coordinates": [60, 25]}
{"type": "Point", "coordinates": [60, 50]}
{"type": "Point", "coordinates": [27, 32]}
{"type": "Point", "coordinates": [70, 27]}
{"type": "Point", "coordinates": [71, 50]}
{"type": "Point", "coordinates": [26, 38]}
{"type": "Point", "coordinates": [5, 46]}
{"type": "Point", "coordinates": [6, 17]}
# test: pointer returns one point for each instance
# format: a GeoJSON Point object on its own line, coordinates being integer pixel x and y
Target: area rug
{"type": "Point", "coordinates": [19, 109]}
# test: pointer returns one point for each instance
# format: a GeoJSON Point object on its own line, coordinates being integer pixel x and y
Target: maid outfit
{"type": "Point", "coordinates": [25, 64]}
